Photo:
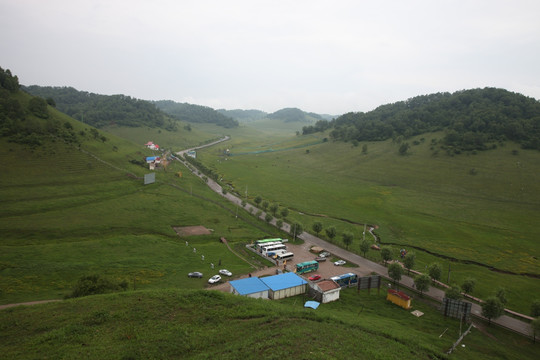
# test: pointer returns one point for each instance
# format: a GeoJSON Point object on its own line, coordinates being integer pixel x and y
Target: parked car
{"type": "Point", "coordinates": [324, 254]}
{"type": "Point", "coordinates": [225, 272]}
{"type": "Point", "coordinates": [214, 279]}
{"type": "Point", "coordinates": [340, 262]}
{"type": "Point", "coordinates": [314, 277]}
{"type": "Point", "coordinates": [319, 259]}
{"type": "Point", "coordinates": [195, 274]}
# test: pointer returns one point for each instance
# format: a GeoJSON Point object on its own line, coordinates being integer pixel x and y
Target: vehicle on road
{"type": "Point", "coordinates": [214, 279]}
{"type": "Point", "coordinates": [314, 277]}
{"type": "Point", "coordinates": [195, 274]}
{"type": "Point", "coordinates": [225, 272]}
{"type": "Point", "coordinates": [319, 259]}
{"type": "Point", "coordinates": [324, 254]}
{"type": "Point", "coordinates": [340, 263]}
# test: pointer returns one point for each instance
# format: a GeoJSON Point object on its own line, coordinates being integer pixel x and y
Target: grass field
{"type": "Point", "coordinates": [65, 214]}
{"type": "Point", "coordinates": [208, 324]}
{"type": "Point", "coordinates": [480, 207]}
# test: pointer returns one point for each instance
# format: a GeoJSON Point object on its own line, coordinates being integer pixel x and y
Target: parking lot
{"type": "Point", "coordinates": [301, 252]}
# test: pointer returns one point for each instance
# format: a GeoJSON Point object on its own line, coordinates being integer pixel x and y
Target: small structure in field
{"type": "Point", "coordinates": [324, 291]}
{"type": "Point", "coordinates": [152, 146]}
{"type": "Point", "coordinates": [251, 287]}
{"type": "Point", "coordinates": [399, 298]}
{"type": "Point", "coordinates": [284, 285]}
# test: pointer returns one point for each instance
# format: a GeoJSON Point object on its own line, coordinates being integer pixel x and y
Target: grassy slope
{"type": "Point", "coordinates": [431, 202]}
{"type": "Point", "coordinates": [65, 214]}
{"type": "Point", "coordinates": [206, 324]}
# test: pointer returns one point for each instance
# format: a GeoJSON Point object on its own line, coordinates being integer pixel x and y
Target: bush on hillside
{"type": "Point", "coordinates": [96, 284]}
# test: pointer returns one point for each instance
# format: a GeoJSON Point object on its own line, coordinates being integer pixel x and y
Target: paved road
{"type": "Point", "coordinates": [365, 265]}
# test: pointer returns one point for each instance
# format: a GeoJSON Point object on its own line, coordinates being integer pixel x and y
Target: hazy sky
{"type": "Point", "coordinates": [321, 56]}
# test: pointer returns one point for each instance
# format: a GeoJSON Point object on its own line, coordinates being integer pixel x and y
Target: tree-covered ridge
{"type": "Point", "coordinates": [103, 110]}
{"type": "Point", "coordinates": [472, 119]}
{"type": "Point", "coordinates": [244, 115]}
{"type": "Point", "coordinates": [195, 113]}
{"type": "Point", "coordinates": [294, 115]}
{"type": "Point", "coordinates": [25, 119]}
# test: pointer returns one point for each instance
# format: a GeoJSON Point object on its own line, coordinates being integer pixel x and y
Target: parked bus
{"type": "Point", "coordinates": [346, 280]}
{"type": "Point", "coordinates": [307, 266]}
{"type": "Point", "coordinates": [266, 245]}
{"type": "Point", "coordinates": [285, 256]}
{"type": "Point", "coordinates": [273, 248]}
{"type": "Point", "coordinates": [274, 254]}
{"type": "Point", "coordinates": [259, 242]}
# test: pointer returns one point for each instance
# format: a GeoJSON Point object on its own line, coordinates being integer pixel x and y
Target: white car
{"type": "Point", "coordinates": [340, 262]}
{"type": "Point", "coordinates": [225, 272]}
{"type": "Point", "coordinates": [214, 279]}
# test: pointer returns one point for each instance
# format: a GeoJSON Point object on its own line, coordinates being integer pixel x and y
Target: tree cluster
{"type": "Point", "coordinates": [195, 113]}
{"type": "Point", "coordinates": [472, 119]}
{"type": "Point", "coordinates": [28, 122]}
{"type": "Point", "coordinates": [103, 110]}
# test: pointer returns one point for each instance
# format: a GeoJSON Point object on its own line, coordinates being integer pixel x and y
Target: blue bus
{"type": "Point", "coordinates": [346, 280]}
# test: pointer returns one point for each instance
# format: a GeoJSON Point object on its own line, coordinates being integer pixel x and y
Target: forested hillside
{"type": "Point", "coordinates": [27, 120]}
{"type": "Point", "coordinates": [244, 115]}
{"type": "Point", "coordinates": [195, 113]}
{"type": "Point", "coordinates": [103, 110]}
{"type": "Point", "coordinates": [294, 115]}
{"type": "Point", "coordinates": [476, 119]}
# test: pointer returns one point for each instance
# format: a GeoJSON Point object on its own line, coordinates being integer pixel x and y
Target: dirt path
{"type": "Point", "coordinates": [27, 303]}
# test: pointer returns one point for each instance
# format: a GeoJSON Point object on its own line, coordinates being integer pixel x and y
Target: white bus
{"type": "Point", "coordinates": [285, 256]}
{"type": "Point", "coordinates": [263, 246]}
{"type": "Point", "coordinates": [273, 248]}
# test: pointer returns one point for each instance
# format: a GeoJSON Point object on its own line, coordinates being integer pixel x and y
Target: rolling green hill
{"type": "Point", "coordinates": [206, 324]}
{"type": "Point", "coordinates": [476, 119]}
{"type": "Point", "coordinates": [195, 113]}
{"type": "Point", "coordinates": [74, 203]}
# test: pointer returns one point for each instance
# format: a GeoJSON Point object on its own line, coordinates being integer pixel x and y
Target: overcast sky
{"type": "Point", "coordinates": [327, 57]}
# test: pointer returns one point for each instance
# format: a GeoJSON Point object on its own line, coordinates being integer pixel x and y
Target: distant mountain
{"type": "Point", "coordinates": [294, 115]}
{"type": "Point", "coordinates": [244, 115]}
{"type": "Point", "coordinates": [474, 119]}
{"type": "Point", "coordinates": [103, 110]}
{"type": "Point", "coordinates": [195, 113]}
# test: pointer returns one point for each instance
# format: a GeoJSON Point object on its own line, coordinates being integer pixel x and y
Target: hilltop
{"type": "Point", "coordinates": [476, 119]}
{"type": "Point", "coordinates": [103, 110]}
{"type": "Point", "coordinates": [195, 113]}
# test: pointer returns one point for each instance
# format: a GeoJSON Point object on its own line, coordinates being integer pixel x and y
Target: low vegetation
{"type": "Point", "coordinates": [207, 324]}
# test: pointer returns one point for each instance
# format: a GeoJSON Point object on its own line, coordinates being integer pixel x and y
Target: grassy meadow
{"type": "Point", "coordinates": [201, 324]}
{"type": "Point", "coordinates": [481, 207]}
{"type": "Point", "coordinates": [66, 214]}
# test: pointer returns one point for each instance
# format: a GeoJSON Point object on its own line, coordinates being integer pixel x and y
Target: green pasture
{"type": "Point", "coordinates": [482, 207]}
{"type": "Point", "coordinates": [66, 214]}
{"type": "Point", "coordinates": [174, 140]}
{"type": "Point", "coordinates": [207, 324]}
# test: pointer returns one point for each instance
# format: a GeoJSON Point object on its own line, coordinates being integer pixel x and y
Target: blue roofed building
{"type": "Point", "coordinates": [284, 285]}
{"type": "Point", "coordinates": [251, 287]}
